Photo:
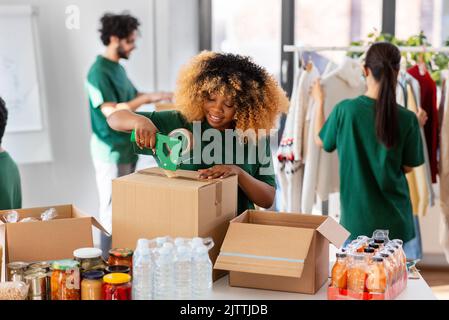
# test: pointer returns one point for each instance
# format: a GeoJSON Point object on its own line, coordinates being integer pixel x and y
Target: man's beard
{"type": "Point", "coordinates": [122, 53]}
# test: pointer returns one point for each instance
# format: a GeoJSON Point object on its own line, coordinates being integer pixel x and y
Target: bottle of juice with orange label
{"type": "Point", "coordinates": [376, 280]}
{"type": "Point", "coordinates": [340, 271]}
{"type": "Point", "coordinates": [357, 274]}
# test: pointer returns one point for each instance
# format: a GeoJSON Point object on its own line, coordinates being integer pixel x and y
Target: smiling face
{"type": "Point", "coordinates": [219, 111]}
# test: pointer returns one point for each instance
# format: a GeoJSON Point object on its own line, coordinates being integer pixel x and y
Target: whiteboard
{"type": "Point", "coordinates": [27, 137]}
{"type": "Point", "coordinates": [18, 74]}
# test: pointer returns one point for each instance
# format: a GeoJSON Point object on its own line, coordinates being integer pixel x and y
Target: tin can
{"type": "Point", "coordinates": [44, 267]}
{"type": "Point", "coordinates": [16, 271]}
{"type": "Point", "coordinates": [37, 282]}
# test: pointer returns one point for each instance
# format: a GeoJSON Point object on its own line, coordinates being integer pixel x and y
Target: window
{"type": "Point", "coordinates": [249, 27]}
{"type": "Point", "coordinates": [335, 23]}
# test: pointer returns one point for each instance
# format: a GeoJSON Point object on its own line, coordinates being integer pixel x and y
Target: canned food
{"type": "Point", "coordinates": [44, 267]}
{"type": "Point", "coordinates": [16, 271]}
{"type": "Point", "coordinates": [37, 282]}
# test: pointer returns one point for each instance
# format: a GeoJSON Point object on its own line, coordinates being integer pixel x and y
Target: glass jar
{"type": "Point", "coordinates": [121, 257]}
{"type": "Point", "coordinates": [91, 285]}
{"type": "Point", "coordinates": [117, 286]}
{"type": "Point", "coordinates": [89, 259]}
{"type": "Point", "coordinates": [16, 271]}
{"type": "Point", "coordinates": [46, 268]}
{"type": "Point", "coordinates": [65, 280]}
{"type": "Point", "coordinates": [117, 269]}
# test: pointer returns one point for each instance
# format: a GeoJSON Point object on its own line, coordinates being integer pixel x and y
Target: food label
{"type": "Point", "coordinates": [72, 280]}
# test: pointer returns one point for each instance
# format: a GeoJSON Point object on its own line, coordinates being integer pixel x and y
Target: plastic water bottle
{"type": "Point", "coordinates": [201, 273]}
{"type": "Point", "coordinates": [164, 284]}
{"type": "Point", "coordinates": [183, 274]}
{"type": "Point", "coordinates": [143, 266]}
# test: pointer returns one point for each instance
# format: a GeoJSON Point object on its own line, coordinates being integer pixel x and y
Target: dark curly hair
{"type": "Point", "coordinates": [256, 94]}
{"type": "Point", "coordinates": [120, 25]}
{"type": "Point", "coordinates": [3, 118]}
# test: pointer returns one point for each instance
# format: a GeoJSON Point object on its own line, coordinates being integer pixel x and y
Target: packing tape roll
{"type": "Point", "coordinates": [187, 138]}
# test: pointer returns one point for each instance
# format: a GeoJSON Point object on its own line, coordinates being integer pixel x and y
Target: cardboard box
{"type": "Point", "coordinates": [148, 204]}
{"type": "Point", "coordinates": [46, 240]}
{"type": "Point", "coordinates": [279, 251]}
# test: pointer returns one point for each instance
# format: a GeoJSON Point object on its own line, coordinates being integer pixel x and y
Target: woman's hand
{"type": "Point", "coordinates": [422, 117]}
{"type": "Point", "coordinates": [219, 172]}
{"type": "Point", "coordinates": [316, 92]}
{"type": "Point", "coordinates": [145, 132]}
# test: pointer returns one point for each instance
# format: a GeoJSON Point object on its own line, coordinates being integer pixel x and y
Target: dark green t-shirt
{"type": "Point", "coordinates": [107, 82]}
{"type": "Point", "coordinates": [373, 188]}
{"type": "Point", "coordinates": [10, 188]}
{"type": "Point", "coordinates": [253, 158]}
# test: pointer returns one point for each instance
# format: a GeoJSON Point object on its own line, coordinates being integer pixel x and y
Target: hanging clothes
{"type": "Point", "coordinates": [444, 175]}
{"type": "Point", "coordinates": [292, 155]}
{"type": "Point", "coordinates": [321, 169]}
{"type": "Point", "coordinates": [429, 104]}
{"type": "Point", "coordinates": [419, 192]}
{"type": "Point", "coordinates": [416, 90]}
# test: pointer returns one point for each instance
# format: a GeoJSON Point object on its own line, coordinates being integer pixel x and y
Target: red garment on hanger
{"type": "Point", "coordinates": [429, 104]}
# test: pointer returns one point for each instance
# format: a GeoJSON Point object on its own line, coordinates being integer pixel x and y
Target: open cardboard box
{"type": "Point", "coordinates": [148, 204]}
{"type": "Point", "coordinates": [46, 240]}
{"type": "Point", "coordinates": [279, 251]}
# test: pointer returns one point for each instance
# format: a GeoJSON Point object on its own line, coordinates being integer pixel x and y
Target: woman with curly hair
{"type": "Point", "coordinates": [222, 93]}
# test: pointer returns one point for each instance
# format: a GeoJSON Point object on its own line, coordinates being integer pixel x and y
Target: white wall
{"type": "Point", "coordinates": [66, 58]}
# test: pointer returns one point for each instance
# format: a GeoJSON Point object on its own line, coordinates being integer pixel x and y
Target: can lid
{"type": "Point", "coordinates": [17, 265]}
{"type": "Point", "coordinates": [93, 275]}
{"type": "Point", "coordinates": [87, 253]}
{"type": "Point", "coordinates": [35, 275]}
{"type": "Point", "coordinates": [39, 265]}
{"type": "Point", "coordinates": [65, 264]}
{"type": "Point", "coordinates": [117, 278]}
{"type": "Point", "coordinates": [121, 252]}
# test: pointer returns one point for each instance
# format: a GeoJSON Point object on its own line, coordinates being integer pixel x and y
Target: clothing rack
{"type": "Point", "coordinates": [298, 50]}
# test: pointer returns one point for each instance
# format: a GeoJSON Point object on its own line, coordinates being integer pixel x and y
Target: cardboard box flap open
{"type": "Point", "coordinates": [265, 249]}
{"type": "Point", "coordinates": [334, 232]}
{"type": "Point", "coordinates": [78, 214]}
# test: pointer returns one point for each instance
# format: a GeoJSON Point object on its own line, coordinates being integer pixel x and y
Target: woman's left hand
{"type": "Point", "coordinates": [219, 172]}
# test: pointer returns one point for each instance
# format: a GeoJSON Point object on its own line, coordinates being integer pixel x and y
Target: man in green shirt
{"type": "Point", "coordinates": [10, 189]}
{"type": "Point", "coordinates": [109, 89]}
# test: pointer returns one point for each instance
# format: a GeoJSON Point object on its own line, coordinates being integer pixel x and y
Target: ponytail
{"type": "Point", "coordinates": [383, 60]}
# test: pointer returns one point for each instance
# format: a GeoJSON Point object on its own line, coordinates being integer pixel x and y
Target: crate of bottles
{"type": "Point", "coordinates": [369, 269]}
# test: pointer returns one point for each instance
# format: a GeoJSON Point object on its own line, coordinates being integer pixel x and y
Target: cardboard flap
{"type": "Point", "coordinates": [334, 232]}
{"type": "Point", "coordinates": [98, 225]}
{"type": "Point", "coordinates": [186, 174]}
{"type": "Point", "coordinates": [265, 249]}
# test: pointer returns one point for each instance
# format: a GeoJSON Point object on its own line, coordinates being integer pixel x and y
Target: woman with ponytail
{"type": "Point", "coordinates": [378, 142]}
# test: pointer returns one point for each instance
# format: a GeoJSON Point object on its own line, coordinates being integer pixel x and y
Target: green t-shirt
{"type": "Point", "coordinates": [373, 188]}
{"type": "Point", "coordinates": [252, 158]}
{"type": "Point", "coordinates": [107, 82]}
{"type": "Point", "coordinates": [10, 189]}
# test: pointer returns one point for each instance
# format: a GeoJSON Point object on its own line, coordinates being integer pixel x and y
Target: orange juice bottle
{"type": "Point", "coordinates": [357, 274]}
{"type": "Point", "coordinates": [389, 268]}
{"type": "Point", "coordinates": [340, 271]}
{"type": "Point", "coordinates": [376, 280]}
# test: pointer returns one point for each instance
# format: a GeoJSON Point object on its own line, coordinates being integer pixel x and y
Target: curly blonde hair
{"type": "Point", "coordinates": [256, 94]}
